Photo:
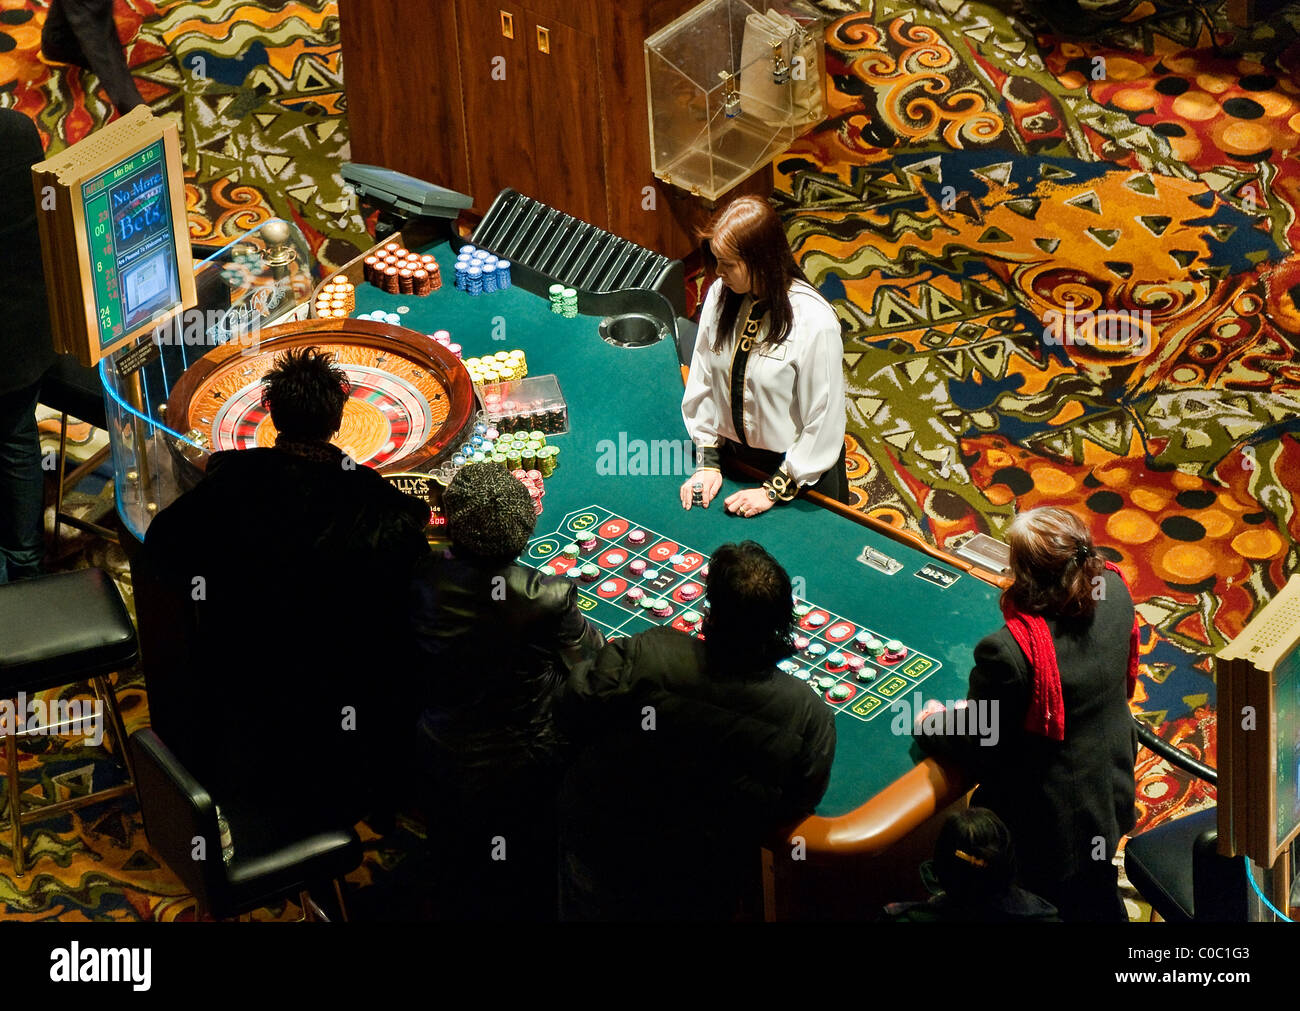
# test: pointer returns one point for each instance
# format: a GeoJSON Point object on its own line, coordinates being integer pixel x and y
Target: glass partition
{"type": "Point", "coordinates": [261, 279]}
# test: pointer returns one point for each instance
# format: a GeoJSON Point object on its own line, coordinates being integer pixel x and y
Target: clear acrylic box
{"type": "Point", "coordinates": [261, 279]}
{"type": "Point", "coordinates": [726, 95]}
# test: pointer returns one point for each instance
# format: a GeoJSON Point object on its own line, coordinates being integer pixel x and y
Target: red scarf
{"type": "Point", "coordinates": [1046, 713]}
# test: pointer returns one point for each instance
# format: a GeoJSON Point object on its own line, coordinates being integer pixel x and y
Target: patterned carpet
{"type": "Point", "coordinates": [256, 89]}
{"type": "Point", "coordinates": [978, 173]}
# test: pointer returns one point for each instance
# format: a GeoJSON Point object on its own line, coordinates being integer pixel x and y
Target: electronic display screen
{"type": "Point", "coordinates": [132, 247]}
{"type": "Point", "coordinates": [1286, 709]}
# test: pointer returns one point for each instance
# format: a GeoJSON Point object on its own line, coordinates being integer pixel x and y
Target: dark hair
{"type": "Point", "coordinates": [1053, 563]}
{"type": "Point", "coordinates": [305, 393]}
{"type": "Point", "coordinates": [489, 512]}
{"type": "Point", "coordinates": [974, 858]}
{"type": "Point", "coordinates": [749, 626]}
{"type": "Point", "coordinates": [751, 227]}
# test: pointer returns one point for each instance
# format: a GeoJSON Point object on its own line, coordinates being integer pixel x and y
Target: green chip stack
{"type": "Point", "coordinates": [569, 303]}
{"type": "Point", "coordinates": [537, 437]}
{"type": "Point", "coordinates": [547, 459]}
{"type": "Point", "coordinates": [556, 292]}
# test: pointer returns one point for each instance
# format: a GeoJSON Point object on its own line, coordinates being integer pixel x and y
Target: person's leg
{"type": "Point", "coordinates": [1091, 896]}
{"type": "Point", "coordinates": [21, 487]}
{"type": "Point", "coordinates": [83, 32]}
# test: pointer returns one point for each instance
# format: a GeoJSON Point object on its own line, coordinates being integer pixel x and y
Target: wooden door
{"type": "Point", "coordinates": [402, 77]}
{"type": "Point", "coordinates": [568, 144]}
{"type": "Point", "coordinates": [494, 77]}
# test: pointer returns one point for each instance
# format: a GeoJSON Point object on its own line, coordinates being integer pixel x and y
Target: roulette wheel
{"type": "Point", "coordinates": [411, 398]}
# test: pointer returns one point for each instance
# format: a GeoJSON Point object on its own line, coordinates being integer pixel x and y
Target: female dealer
{"type": "Point", "coordinates": [766, 384]}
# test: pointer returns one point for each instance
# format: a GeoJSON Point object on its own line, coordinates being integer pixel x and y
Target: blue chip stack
{"type": "Point", "coordinates": [493, 274]}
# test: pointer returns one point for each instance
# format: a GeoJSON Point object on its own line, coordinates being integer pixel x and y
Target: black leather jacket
{"type": "Point", "coordinates": [496, 643]}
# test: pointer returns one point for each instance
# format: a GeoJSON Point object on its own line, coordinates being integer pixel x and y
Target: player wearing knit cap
{"type": "Point", "coordinates": [497, 640]}
{"type": "Point", "coordinates": [489, 512]}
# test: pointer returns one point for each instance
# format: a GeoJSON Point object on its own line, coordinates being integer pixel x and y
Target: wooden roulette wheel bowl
{"type": "Point", "coordinates": [412, 399]}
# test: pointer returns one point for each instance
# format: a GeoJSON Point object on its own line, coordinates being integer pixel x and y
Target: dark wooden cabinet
{"type": "Point", "coordinates": [563, 120]}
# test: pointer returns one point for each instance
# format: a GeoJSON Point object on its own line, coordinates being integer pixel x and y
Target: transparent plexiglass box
{"type": "Point", "coordinates": [261, 279]}
{"type": "Point", "coordinates": [730, 85]}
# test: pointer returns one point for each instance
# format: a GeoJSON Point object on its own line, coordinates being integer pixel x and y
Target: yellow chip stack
{"type": "Point", "coordinates": [336, 299]}
{"type": "Point", "coordinates": [502, 367]}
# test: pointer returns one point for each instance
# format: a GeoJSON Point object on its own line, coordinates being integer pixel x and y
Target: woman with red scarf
{"type": "Point", "coordinates": [1054, 746]}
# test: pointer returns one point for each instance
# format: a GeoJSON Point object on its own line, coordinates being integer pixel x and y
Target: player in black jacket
{"type": "Point", "coordinates": [496, 641]}
{"type": "Point", "coordinates": [1061, 670]}
{"type": "Point", "coordinates": [691, 753]}
{"type": "Point", "coordinates": [272, 602]}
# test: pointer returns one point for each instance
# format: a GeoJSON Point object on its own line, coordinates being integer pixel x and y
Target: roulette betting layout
{"type": "Point", "coordinates": [411, 398]}
{"type": "Point", "coordinates": [631, 578]}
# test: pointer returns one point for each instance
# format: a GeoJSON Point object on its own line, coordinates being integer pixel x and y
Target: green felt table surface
{"type": "Point", "coordinates": [635, 394]}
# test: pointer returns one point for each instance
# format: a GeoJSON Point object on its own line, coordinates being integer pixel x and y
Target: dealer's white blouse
{"type": "Point", "coordinates": [794, 391]}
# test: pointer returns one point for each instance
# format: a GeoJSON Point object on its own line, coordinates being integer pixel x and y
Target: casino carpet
{"type": "Point", "coordinates": [978, 171]}
{"type": "Point", "coordinates": [256, 89]}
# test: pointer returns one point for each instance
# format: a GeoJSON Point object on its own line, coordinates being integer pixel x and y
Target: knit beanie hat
{"type": "Point", "coordinates": [489, 512]}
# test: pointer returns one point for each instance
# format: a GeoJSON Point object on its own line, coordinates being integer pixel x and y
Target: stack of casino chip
{"type": "Point", "coordinates": [532, 480]}
{"type": "Point", "coordinates": [502, 367]}
{"type": "Point", "coordinates": [398, 271]}
{"type": "Point", "coordinates": [478, 272]}
{"type": "Point", "coordinates": [336, 299]}
{"type": "Point", "coordinates": [564, 301]}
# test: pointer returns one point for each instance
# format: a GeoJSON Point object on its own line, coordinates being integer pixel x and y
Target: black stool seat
{"type": "Point", "coordinates": [72, 388]}
{"type": "Point", "coordinates": [1206, 888]}
{"type": "Point", "coordinates": [58, 629]}
{"type": "Point", "coordinates": [54, 631]}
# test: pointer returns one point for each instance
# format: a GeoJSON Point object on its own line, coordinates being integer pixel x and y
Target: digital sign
{"type": "Point", "coordinates": [133, 253]}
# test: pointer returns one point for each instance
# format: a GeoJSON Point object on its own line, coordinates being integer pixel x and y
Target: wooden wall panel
{"type": "Point", "coordinates": [402, 76]}
{"type": "Point", "coordinates": [499, 100]}
{"type": "Point", "coordinates": [567, 139]}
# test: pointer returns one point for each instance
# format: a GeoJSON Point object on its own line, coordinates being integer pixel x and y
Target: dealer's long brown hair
{"type": "Point", "coordinates": [1053, 562]}
{"type": "Point", "coordinates": [752, 228]}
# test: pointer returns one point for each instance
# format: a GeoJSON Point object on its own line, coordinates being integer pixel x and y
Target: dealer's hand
{"type": "Point", "coordinates": [711, 484]}
{"type": "Point", "coordinates": [749, 502]}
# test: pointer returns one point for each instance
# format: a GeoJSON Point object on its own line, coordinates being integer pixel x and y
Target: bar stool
{"type": "Point", "coordinates": [55, 631]}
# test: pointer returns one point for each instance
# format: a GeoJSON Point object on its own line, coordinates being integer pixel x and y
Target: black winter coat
{"type": "Point", "coordinates": [681, 773]}
{"type": "Point", "coordinates": [1058, 798]}
{"type": "Point", "coordinates": [25, 345]}
{"type": "Point", "coordinates": [496, 642]}
{"type": "Point", "coordinates": [305, 566]}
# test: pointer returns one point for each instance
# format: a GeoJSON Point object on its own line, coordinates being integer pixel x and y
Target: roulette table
{"type": "Point", "coordinates": [622, 461]}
